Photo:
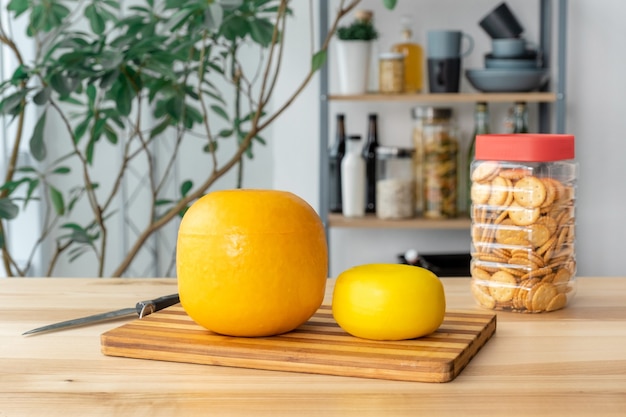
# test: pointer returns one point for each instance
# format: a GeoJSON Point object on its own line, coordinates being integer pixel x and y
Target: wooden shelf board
{"type": "Point", "coordinates": [449, 97]}
{"type": "Point", "coordinates": [371, 221]}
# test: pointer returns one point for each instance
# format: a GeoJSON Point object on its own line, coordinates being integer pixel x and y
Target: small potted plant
{"type": "Point", "coordinates": [354, 53]}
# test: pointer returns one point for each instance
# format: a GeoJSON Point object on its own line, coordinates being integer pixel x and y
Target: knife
{"type": "Point", "coordinates": [141, 309]}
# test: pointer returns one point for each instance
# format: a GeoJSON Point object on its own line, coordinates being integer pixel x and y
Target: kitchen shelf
{"type": "Point", "coordinates": [536, 97]}
{"type": "Point", "coordinates": [550, 102]}
{"type": "Point", "coordinates": [373, 222]}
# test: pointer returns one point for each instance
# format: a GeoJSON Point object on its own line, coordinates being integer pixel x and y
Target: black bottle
{"type": "Point", "coordinates": [369, 154]}
{"type": "Point", "coordinates": [335, 155]}
{"type": "Point", "coordinates": [520, 118]}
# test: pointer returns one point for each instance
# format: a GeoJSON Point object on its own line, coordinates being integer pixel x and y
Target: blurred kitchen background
{"type": "Point", "coordinates": [595, 107]}
{"type": "Point", "coordinates": [595, 86]}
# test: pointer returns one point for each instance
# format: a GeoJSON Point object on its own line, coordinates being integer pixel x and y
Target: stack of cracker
{"type": "Point", "coordinates": [523, 229]}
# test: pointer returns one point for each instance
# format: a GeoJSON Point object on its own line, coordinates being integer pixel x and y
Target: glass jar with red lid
{"type": "Point", "coordinates": [523, 222]}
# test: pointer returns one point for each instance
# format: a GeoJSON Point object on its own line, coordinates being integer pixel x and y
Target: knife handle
{"type": "Point", "coordinates": [150, 306]}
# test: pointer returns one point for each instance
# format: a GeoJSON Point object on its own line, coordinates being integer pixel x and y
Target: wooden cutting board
{"type": "Point", "coordinates": [319, 346]}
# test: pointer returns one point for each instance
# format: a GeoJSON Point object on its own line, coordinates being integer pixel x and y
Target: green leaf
{"type": "Point", "coordinates": [17, 6]}
{"type": "Point", "coordinates": [46, 16]}
{"type": "Point", "coordinates": [220, 112]}
{"type": "Point", "coordinates": [186, 187]}
{"type": "Point", "coordinates": [60, 84]}
{"type": "Point", "coordinates": [62, 170]}
{"type": "Point", "coordinates": [77, 253]}
{"type": "Point", "coordinates": [96, 21]}
{"type": "Point", "coordinates": [318, 60]}
{"type": "Point", "coordinates": [123, 95]}
{"type": "Point", "coordinates": [79, 234]}
{"type": "Point", "coordinates": [235, 27]}
{"type": "Point", "coordinates": [110, 134]}
{"type": "Point", "coordinates": [178, 19]}
{"type": "Point", "coordinates": [13, 102]}
{"type": "Point", "coordinates": [109, 78]}
{"type": "Point", "coordinates": [32, 186]}
{"type": "Point", "coordinates": [20, 74]}
{"type": "Point", "coordinates": [261, 31]}
{"type": "Point", "coordinates": [57, 201]}
{"type": "Point", "coordinates": [98, 128]}
{"type": "Point", "coordinates": [71, 100]}
{"type": "Point", "coordinates": [90, 149]}
{"type": "Point", "coordinates": [225, 133]}
{"type": "Point", "coordinates": [42, 96]}
{"type": "Point", "coordinates": [210, 147]}
{"type": "Point", "coordinates": [37, 19]}
{"type": "Point", "coordinates": [113, 116]}
{"type": "Point", "coordinates": [174, 107]}
{"type": "Point", "coordinates": [390, 4]}
{"type": "Point", "coordinates": [194, 114]}
{"type": "Point", "coordinates": [8, 209]}
{"type": "Point", "coordinates": [59, 13]}
{"type": "Point", "coordinates": [160, 128]}
{"type": "Point", "coordinates": [72, 226]}
{"type": "Point", "coordinates": [81, 128]}
{"type": "Point", "coordinates": [91, 94]}
{"type": "Point", "coordinates": [37, 145]}
{"type": "Point", "coordinates": [11, 186]}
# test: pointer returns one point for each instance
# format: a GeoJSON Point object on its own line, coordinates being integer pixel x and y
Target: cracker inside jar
{"type": "Point", "coordinates": [523, 232]}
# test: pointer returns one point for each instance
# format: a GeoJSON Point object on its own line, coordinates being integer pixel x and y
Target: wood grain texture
{"type": "Point", "coordinates": [319, 346]}
{"type": "Point", "coordinates": [570, 362]}
{"type": "Point", "coordinates": [447, 98]}
{"type": "Point", "coordinates": [370, 221]}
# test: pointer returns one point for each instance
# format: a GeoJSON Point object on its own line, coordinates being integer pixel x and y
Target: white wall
{"type": "Point", "coordinates": [595, 109]}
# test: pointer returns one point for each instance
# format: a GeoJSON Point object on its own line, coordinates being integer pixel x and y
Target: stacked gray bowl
{"type": "Point", "coordinates": [513, 65]}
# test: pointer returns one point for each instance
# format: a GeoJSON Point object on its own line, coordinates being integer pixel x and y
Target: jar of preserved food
{"type": "Point", "coordinates": [523, 222]}
{"type": "Point", "coordinates": [395, 183]}
{"type": "Point", "coordinates": [391, 72]}
{"type": "Point", "coordinates": [418, 114]}
{"type": "Point", "coordinates": [441, 148]}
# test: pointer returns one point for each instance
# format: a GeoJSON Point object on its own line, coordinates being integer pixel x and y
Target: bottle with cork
{"type": "Point", "coordinates": [481, 127]}
{"type": "Point", "coordinates": [369, 157]}
{"type": "Point", "coordinates": [336, 154]}
{"type": "Point", "coordinates": [413, 57]}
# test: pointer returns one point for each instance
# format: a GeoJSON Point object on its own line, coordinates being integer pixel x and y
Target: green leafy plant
{"type": "Point", "coordinates": [159, 72]}
{"type": "Point", "coordinates": [360, 30]}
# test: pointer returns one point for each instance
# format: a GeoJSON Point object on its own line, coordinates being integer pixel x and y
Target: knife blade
{"type": "Point", "coordinates": [141, 309]}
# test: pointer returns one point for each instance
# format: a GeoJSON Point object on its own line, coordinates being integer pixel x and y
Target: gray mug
{"type": "Point", "coordinates": [447, 44]}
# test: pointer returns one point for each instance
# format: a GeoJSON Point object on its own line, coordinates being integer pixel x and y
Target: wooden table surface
{"type": "Point", "coordinates": [570, 362]}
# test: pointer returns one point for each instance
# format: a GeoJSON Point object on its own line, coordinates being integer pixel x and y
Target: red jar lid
{"type": "Point", "coordinates": [528, 147]}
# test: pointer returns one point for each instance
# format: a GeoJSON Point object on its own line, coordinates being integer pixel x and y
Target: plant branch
{"type": "Point", "coordinates": [268, 66]}
{"type": "Point", "coordinates": [120, 175]}
{"type": "Point", "coordinates": [90, 192]}
{"type": "Point", "coordinates": [256, 121]}
{"type": "Point", "coordinates": [340, 14]}
{"type": "Point", "coordinates": [7, 259]}
{"type": "Point", "coordinates": [218, 172]}
{"type": "Point", "coordinates": [203, 107]}
{"type": "Point", "coordinates": [55, 256]}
